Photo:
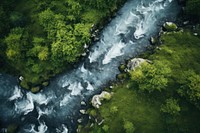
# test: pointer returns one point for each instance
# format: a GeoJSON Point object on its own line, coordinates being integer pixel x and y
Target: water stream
{"type": "Point", "coordinates": [55, 108]}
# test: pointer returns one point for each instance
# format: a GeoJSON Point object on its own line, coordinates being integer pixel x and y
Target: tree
{"type": "Point", "coordinates": [171, 107]}
{"type": "Point", "coordinates": [151, 77]}
{"type": "Point", "coordinates": [190, 87]}
{"type": "Point", "coordinates": [129, 127]}
{"type": "Point", "coordinates": [14, 44]}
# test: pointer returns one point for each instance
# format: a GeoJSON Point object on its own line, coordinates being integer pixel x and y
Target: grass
{"type": "Point", "coordinates": [133, 107]}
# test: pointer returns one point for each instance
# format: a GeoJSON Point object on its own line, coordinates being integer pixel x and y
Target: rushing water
{"type": "Point", "coordinates": [55, 109]}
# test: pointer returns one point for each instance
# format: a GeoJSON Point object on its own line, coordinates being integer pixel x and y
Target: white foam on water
{"type": "Point", "coordinates": [75, 88]}
{"type": "Point", "coordinates": [65, 100]}
{"type": "Point", "coordinates": [89, 87]}
{"type": "Point", "coordinates": [42, 128]}
{"type": "Point", "coordinates": [116, 50]}
{"type": "Point", "coordinates": [41, 112]}
{"type": "Point", "coordinates": [62, 129]}
{"type": "Point", "coordinates": [65, 129]}
{"type": "Point", "coordinates": [17, 94]}
{"type": "Point", "coordinates": [24, 106]}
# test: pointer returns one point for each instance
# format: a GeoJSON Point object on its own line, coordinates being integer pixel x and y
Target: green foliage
{"type": "Point", "coordinates": [190, 87]}
{"type": "Point", "coordinates": [105, 128]}
{"type": "Point", "coordinates": [129, 127]}
{"type": "Point", "coordinates": [171, 107]}
{"type": "Point", "coordinates": [113, 109]}
{"type": "Point", "coordinates": [192, 8]}
{"type": "Point", "coordinates": [151, 77]}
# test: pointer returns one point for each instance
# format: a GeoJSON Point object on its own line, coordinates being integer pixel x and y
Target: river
{"type": "Point", "coordinates": [56, 108]}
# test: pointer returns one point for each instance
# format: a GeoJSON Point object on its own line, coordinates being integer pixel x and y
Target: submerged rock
{"type": "Point", "coordinates": [170, 26]}
{"type": "Point", "coordinates": [96, 99]}
{"type": "Point", "coordinates": [153, 40]}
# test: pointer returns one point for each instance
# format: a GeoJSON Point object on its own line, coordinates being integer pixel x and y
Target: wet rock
{"type": "Point", "coordinates": [21, 78]}
{"type": "Point", "coordinates": [85, 46]}
{"type": "Point", "coordinates": [83, 103]}
{"type": "Point", "coordinates": [195, 34]}
{"type": "Point", "coordinates": [186, 22]}
{"type": "Point", "coordinates": [101, 122]}
{"type": "Point", "coordinates": [122, 68]}
{"type": "Point", "coordinates": [170, 26]}
{"type": "Point", "coordinates": [82, 111]}
{"type": "Point", "coordinates": [35, 89]}
{"type": "Point", "coordinates": [133, 63]}
{"type": "Point", "coordinates": [96, 99]}
{"type": "Point", "coordinates": [96, 39]}
{"type": "Point", "coordinates": [45, 83]}
{"type": "Point", "coordinates": [84, 54]}
{"type": "Point", "coordinates": [153, 40]}
{"type": "Point", "coordinates": [80, 120]}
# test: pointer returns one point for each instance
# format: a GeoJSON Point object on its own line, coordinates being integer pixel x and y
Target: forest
{"type": "Point", "coordinates": [42, 38]}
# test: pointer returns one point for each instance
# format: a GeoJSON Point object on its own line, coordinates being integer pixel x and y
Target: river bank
{"type": "Point", "coordinates": [132, 109]}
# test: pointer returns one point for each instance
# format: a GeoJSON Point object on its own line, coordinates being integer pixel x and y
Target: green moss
{"type": "Point", "coordinates": [35, 89]}
{"type": "Point", "coordinates": [122, 67]}
{"type": "Point", "coordinates": [168, 26]}
{"type": "Point", "coordinates": [24, 84]}
{"type": "Point", "coordinates": [45, 84]}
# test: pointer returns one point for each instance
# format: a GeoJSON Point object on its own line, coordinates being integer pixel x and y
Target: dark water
{"type": "Point", "coordinates": [56, 108]}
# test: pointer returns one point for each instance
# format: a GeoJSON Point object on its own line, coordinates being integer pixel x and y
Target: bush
{"type": "Point", "coordinates": [129, 127]}
{"type": "Point", "coordinates": [171, 107]}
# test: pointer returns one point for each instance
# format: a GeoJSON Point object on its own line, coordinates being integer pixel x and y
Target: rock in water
{"type": "Point", "coordinates": [170, 26]}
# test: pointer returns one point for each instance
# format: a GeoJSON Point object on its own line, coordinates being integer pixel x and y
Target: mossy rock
{"type": "Point", "coordinates": [169, 26]}
{"type": "Point", "coordinates": [92, 112]}
{"type": "Point", "coordinates": [35, 89]}
{"type": "Point", "coordinates": [24, 84]}
{"type": "Point", "coordinates": [122, 67]}
{"type": "Point", "coordinates": [122, 76]}
{"type": "Point", "coordinates": [45, 83]}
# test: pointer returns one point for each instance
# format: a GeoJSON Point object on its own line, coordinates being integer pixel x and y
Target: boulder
{"type": "Point", "coordinates": [21, 78]}
{"type": "Point", "coordinates": [80, 120]}
{"type": "Point", "coordinates": [45, 83]}
{"type": "Point", "coordinates": [96, 99]}
{"type": "Point", "coordinates": [133, 63]}
{"type": "Point", "coordinates": [83, 103]}
{"type": "Point", "coordinates": [82, 111]}
{"type": "Point", "coordinates": [170, 26]}
{"type": "Point", "coordinates": [153, 40]}
{"type": "Point", "coordinates": [195, 34]}
{"type": "Point", "coordinates": [35, 89]}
